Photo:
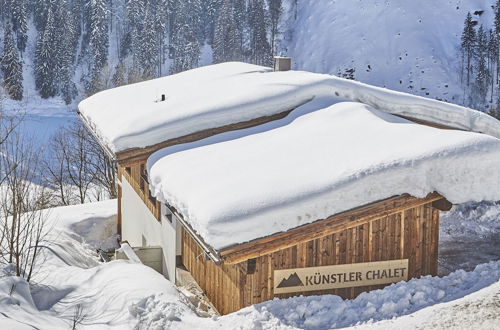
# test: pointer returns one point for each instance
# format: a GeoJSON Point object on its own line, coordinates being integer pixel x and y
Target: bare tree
{"type": "Point", "coordinates": [21, 221]}
{"type": "Point", "coordinates": [104, 168]}
{"type": "Point", "coordinates": [78, 169]}
{"type": "Point", "coordinates": [56, 164]}
{"type": "Point", "coordinates": [78, 317]}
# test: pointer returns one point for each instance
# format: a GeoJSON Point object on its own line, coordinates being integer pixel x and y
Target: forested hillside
{"type": "Point", "coordinates": [70, 49]}
{"type": "Point", "coordinates": [73, 48]}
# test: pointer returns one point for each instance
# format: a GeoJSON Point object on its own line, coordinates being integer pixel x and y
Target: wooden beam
{"type": "Point", "coordinates": [320, 228]}
{"type": "Point", "coordinates": [442, 204]}
{"type": "Point", "coordinates": [430, 124]}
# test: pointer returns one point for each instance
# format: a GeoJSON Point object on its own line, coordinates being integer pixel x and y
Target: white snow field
{"type": "Point", "coordinates": [134, 116]}
{"type": "Point", "coordinates": [320, 164]}
{"type": "Point", "coordinates": [408, 46]}
{"type": "Point", "coordinates": [126, 295]}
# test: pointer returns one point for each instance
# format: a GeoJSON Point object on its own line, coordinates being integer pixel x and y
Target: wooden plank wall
{"type": "Point", "coordinates": [132, 172]}
{"type": "Point", "coordinates": [222, 284]}
{"type": "Point", "coordinates": [409, 234]}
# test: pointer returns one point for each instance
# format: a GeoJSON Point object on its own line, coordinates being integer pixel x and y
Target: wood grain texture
{"type": "Point", "coordinates": [336, 223]}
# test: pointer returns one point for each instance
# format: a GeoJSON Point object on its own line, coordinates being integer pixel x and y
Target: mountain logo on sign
{"type": "Point", "coordinates": [292, 280]}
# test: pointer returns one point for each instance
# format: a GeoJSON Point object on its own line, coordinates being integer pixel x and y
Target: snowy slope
{"type": "Point", "coordinates": [408, 46]}
{"type": "Point", "coordinates": [124, 295]}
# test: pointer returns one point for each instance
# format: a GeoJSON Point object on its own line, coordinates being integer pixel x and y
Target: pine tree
{"type": "Point", "coordinates": [135, 15]}
{"type": "Point", "coordinates": [483, 74]}
{"type": "Point", "coordinates": [260, 50]}
{"type": "Point", "coordinates": [227, 39]}
{"type": "Point", "coordinates": [67, 41]}
{"type": "Point", "coordinates": [11, 66]}
{"type": "Point", "coordinates": [20, 22]}
{"type": "Point", "coordinates": [41, 11]}
{"type": "Point", "coordinates": [211, 10]}
{"type": "Point", "coordinates": [497, 35]}
{"type": "Point", "coordinates": [468, 45]}
{"type": "Point", "coordinates": [98, 42]}
{"type": "Point", "coordinates": [184, 43]}
{"type": "Point", "coordinates": [45, 57]}
{"type": "Point", "coordinates": [492, 59]}
{"type": "Point", "coordinates": [275, 11]}
{"type": "Point", "coordinates": [161, 11]}
{"type": "Point", "coordinates": [148, 48]}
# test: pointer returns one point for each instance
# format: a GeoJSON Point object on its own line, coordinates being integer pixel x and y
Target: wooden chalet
{"type": "Point", "coordinates": [358, 250]}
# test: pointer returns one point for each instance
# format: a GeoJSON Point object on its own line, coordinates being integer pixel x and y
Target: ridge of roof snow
{"type": "Point", "coordinates": [325, 162]}
{"type": "Point", "coordinates": [134, 116]}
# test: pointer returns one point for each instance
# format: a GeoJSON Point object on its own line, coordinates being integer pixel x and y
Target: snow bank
{"type": "Point", "coordinates": [70, 276]}
{"type": "Point", "coordinates": [329, 311]}
{"type": "Point", "coordinates": [95, 225]}
{"type": "Point", "coordinates": [133, 116]}
{"type": "Point", "coordinates": [323, 163]}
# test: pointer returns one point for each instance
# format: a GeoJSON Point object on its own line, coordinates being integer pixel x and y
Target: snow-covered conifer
{"type": "Point", "coordinates": [20, 22]}
{"type": "Point", "coordinates": [98, 41]}
{"type": "Point", "coordinates": [184, 43]}
{"type": "Point", "coordinates": [45, 57]}
{"type": "Point", "coordinates": [275, 11]}
{"type": "Point", "coordinates": [260, 49]}
{"type": "Point", "coordinates": [483, 74]}
{"type": "Point", "coordinates": [227, 37]}
{"type": "Point", "coordinates": [11, 65]}
{"type": "Point", "coordinates": [468, 45]}
{"type": "Point", "coordinates": [67, 41]}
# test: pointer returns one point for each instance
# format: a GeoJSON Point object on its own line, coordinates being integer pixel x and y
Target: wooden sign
{"type": "Point", "coordinates": [340, 276]}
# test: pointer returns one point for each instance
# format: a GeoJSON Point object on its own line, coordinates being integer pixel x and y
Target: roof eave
{"type": "Point", "coordinates": [110, 154]}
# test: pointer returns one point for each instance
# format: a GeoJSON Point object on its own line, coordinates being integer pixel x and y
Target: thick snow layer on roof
{"type": "Point", "coordinates": [133, 117]}
{"type": "Point", "coordinates": [322, 163]}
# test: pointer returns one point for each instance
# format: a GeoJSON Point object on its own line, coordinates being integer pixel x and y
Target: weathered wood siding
{"type": "Point", "coordinates": [222, 284]}
{"type": "Point", "coordinates": [410, 233]}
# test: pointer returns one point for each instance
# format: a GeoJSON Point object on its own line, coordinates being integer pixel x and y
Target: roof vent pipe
{"type": "Point", "coordinates": [282, 63]}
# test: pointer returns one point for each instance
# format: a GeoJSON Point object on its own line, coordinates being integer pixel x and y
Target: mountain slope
{"type": "Point", "coordinates": [409, 46]}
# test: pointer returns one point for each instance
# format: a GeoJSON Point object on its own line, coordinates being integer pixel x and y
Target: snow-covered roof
{"type": "Point", "coordinates": [322, 163]}
{"type": "Point", "coordinates": [133, 116]}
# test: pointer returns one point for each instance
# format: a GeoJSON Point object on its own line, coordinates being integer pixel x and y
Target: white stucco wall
{"type": "Point", "coordinates": [138, 223]}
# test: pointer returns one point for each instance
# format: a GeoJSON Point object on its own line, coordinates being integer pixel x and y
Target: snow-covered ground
{"type": "Point", "coordinates": [464, 243]}
{"type": "Point", "coordinates": [126, 295]}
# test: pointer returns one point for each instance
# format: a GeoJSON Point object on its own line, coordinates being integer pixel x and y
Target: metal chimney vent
{"type": "Point", "coordinates": [282, 63]}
